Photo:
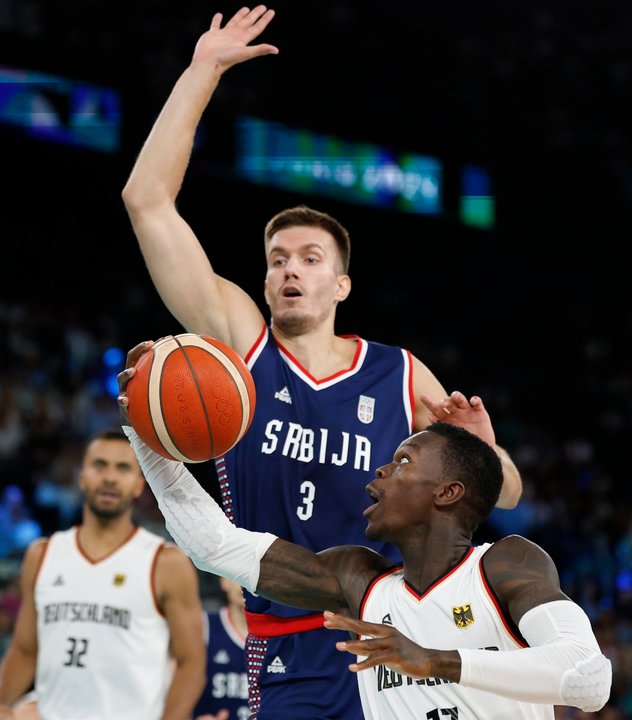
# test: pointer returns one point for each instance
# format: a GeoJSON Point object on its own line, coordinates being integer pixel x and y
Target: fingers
{"type": "Point", "coordinates": [257, 18]}
{"type": "Point", "coordinates": [127, 374]}
{"type": "Point", "coordinates": [337, 621]}
{"type": "Point", "coordinates": [124, 377]}
{"type": "Point", "coordinates": [376, 642]}
{"type": "Point", "coordinates": [437, 407]}
{"type": "Point", "coordinates": [442, 409]}
{"type": "Point", "coordinates": [134, 354]}
{"type": "Point", "coordinates": [239, 15]}
{"type": "Point", "coordinates": [458, 400]}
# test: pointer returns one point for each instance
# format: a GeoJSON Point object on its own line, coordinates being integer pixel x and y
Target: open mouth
{"type": "Point", "coordinates": [375, 498]}
{"type": "Point", "coordinates": [372, 493]}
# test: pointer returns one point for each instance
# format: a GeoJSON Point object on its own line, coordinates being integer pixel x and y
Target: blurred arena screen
{"type": "Point", "coordinates": [61, 110]}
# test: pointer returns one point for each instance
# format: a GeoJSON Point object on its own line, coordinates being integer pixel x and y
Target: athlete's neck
{"type": "Point", "coordinates": [98, 537]}
{"type": "Point", "coordinates": [322, 355]}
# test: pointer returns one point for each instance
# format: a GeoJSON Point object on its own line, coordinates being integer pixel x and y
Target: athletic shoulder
{"type": "Point", "coordinates": [170, 553]}
{"type": "Point", "coordinates": [522, 574]}
{"type": "Point", "coordinates": [36, 549]}
{"type": "Point", "coordinates": [516, 548]}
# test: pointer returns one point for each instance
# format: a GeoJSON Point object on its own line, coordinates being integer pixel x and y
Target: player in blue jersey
{"type": "Point", "coordinates": [329, 408]}
{"type": "Point", "coordinates": [225, 696]}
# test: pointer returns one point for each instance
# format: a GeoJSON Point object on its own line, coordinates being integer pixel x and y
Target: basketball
{"type": "Point", "coordinates": [192, 397]}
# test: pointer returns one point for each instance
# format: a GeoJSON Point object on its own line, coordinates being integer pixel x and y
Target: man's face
{"type": "Point", "coordinates": [403, 491]}
{"type": "Point", "coordinates": [110, 477]}
{"type": "Point", "coordinates": [304, 281]}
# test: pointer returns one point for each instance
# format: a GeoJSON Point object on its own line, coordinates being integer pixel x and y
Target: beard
{"type": "Point", "coordinates": [294, 323]}
{"type": "Point", "coordinates": [109, 512]}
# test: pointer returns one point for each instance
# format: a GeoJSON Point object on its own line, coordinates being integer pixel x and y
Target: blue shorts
{"type": "Point", "coordinates": [302, 676]}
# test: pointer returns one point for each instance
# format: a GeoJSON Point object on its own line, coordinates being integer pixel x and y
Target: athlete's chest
{"type": "Point", "coordinates": [457, 612]}
{"type": "Point", "coordinates": [69, 576]}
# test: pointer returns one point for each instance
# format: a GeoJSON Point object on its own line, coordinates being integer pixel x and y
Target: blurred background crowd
{"type": "Point", "coordinates": [529, 308]}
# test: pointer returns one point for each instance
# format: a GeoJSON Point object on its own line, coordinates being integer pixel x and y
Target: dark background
{"type": "Point", "coordinates": [534, 314]}
{"type": "Point", "coordinates": [540, 94]}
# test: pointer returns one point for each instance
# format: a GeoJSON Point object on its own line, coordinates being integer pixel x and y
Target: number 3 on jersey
{"type": "Point", "coordinates": [308, 491]}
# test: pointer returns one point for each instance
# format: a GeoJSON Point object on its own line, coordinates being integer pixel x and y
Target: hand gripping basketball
{"type": "Point", "coordinates": [191, 398]}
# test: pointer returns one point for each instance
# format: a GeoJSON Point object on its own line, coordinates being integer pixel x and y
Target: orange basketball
{"type": "Point", "coordinates": [192, 397]}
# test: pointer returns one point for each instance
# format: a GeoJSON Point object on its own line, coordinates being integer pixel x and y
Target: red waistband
{"type": "Point", "coordinates": [272, 625]}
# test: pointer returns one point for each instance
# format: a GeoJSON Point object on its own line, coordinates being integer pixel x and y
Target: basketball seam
{"type": "Point", "coordinates": [200, 394]}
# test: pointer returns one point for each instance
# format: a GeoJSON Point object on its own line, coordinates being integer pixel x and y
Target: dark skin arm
{"type": "Point", "coordinates": [334, 579]}
{"type": "Point", "coordinates": [522, 575]}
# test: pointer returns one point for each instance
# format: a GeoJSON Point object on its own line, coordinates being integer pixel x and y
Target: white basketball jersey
{"type": "Point", "coordinates": [103, 644]}
{"type": "Point", "coordinates": [457, 611]}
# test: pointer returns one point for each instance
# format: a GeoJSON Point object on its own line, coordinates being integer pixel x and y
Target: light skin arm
{"type": "Point", "coordinates": [178, 598]}
{"type": "Point", "coordinates": [200, 300]}
{"type": "Point", "coordinates": [17, 669]}
{"type": "Point", "coordinates": [522, 575]}
{"type": "Point", "coordinates": [471, 414]}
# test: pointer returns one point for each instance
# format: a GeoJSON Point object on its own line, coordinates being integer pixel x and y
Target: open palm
{"type": "Point", "coordinates": [229, 45]}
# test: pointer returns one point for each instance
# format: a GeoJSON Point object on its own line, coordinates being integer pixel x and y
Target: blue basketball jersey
{"type": "Point", "coordinates": [301, 469]}
{"type": "Point", "coordinates": [227, 684]}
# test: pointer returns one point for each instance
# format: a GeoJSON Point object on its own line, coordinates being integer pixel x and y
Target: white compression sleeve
{"type": "Point", "coordinates": [197, 523]}
{"type": "Point", "coordinates": [563, 665]}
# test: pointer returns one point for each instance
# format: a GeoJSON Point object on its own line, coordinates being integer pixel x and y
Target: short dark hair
{"type": "Point", "coordinates": [474, 463]}
{"type": "Point", "coordinates": [110, 433]}
{"type": "Point", "coordinates": [303, 216]}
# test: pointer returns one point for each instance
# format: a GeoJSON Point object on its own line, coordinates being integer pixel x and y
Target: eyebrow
{"type": "Point", "coordinates": [308, 246]}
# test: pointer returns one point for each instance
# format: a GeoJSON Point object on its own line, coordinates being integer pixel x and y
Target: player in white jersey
{"type": "Point", "coordinates": [456, 631]}
{"type": "Point", "coordinates": [110, 620]}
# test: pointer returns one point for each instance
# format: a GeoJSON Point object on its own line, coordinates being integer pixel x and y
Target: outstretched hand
{"type": "Point", "coordinates": [126, 375]}
{"type": "Point", "coordinates": [384, 646]}
{"type": "Point", "coordinates": [226, 46]}
{"type": "Point", "coordinates": [458, 410]}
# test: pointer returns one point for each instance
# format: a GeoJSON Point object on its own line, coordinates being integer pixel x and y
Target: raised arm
{"type": "Point", "coordinates": [17, 669]}
{"type": "Point", "coordinates": [199, 299]}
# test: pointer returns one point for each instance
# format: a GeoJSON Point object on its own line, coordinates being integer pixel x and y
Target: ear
{"type": "Point", "coordinates": [344, 288]}
{"type": "Point", "coordinates": [449, 493]}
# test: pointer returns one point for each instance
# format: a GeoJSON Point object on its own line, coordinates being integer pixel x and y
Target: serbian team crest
{"type": "Point", "coordinates": [366, 406]}
{"type": "Point", "coordinates": [463, 617]}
